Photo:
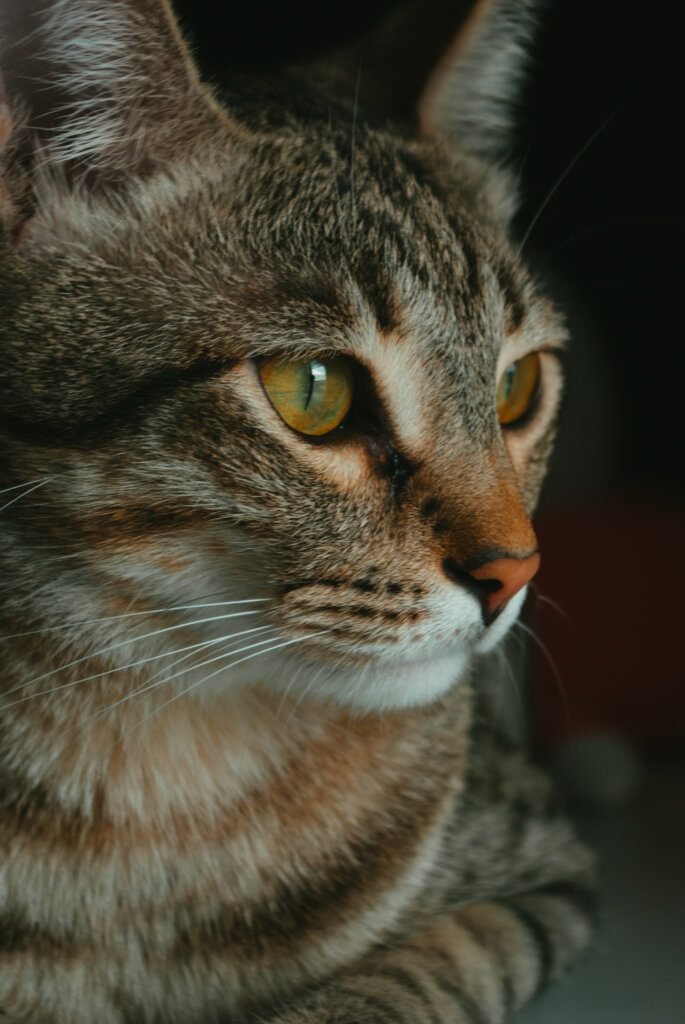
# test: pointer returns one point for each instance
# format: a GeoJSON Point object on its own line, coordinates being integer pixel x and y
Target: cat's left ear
{"type": "Point", "coordinates": [94, 94]}
{"type": "Point", "coordinates": [454, 67]}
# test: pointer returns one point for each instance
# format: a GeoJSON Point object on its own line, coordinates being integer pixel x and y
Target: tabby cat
{"type": "Point", "coordinates": [277, 394]}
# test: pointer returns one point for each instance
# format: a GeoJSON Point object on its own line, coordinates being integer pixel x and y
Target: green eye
{"type": "Point", "coordinates": [517, 389]}
{"type": "Point", "coordinates": [313, 396]}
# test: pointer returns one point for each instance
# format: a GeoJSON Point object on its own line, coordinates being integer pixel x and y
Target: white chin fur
{"type": "Point", "coordinates": [383, 685]}
{"type": "Point", "coordinates": [389, 685]}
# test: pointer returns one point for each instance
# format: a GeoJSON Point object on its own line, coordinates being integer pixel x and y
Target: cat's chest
{"type": "Point", "coordinates": [334, 837]}
{"type": "Point", "coordinates": [309, 866]}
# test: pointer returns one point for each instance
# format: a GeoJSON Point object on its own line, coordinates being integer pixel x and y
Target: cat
{"type": "Point", "coordinates": [277, 395]}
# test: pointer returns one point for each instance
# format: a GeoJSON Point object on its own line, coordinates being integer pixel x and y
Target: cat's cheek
{"type": "Point", "coordinates": [409, 669]}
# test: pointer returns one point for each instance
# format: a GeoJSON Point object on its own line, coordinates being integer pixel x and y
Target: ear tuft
{"type": "Point", "coordinates": [95, 95]}
{"type": "Point", "coordinates": [107, 85]}
{"type": "Point", "coordinates": [91, 49]}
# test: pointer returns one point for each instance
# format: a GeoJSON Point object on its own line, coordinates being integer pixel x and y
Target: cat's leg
{"type": "Point", "coordinates": [476, 961]}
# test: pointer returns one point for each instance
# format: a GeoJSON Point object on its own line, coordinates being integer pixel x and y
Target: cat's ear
{"type": "Point", "coordinates": [451, 66]}
{"type": "Point", "coordinates": [94, 93]}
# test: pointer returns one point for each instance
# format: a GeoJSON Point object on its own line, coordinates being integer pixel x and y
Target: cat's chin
{"type": "Point", "coordinates": [384, 686]}
{"type": "Point", "coordinates": [401, 685]}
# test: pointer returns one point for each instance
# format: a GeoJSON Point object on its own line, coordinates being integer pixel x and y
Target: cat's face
{"type": "Point", "coordinates": [156, 348]}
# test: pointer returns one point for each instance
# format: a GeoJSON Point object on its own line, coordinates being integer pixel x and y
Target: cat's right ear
{"type": "Point", "coordinates": [93, 96]}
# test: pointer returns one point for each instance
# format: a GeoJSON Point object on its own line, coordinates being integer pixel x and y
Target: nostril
{"type": "Point", "coordinates": [481, 588]}
{"type": "Point", "coordinates": [495, 581]}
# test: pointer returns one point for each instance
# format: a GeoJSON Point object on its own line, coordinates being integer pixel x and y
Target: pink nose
{"type": "Point", "coordinates": [505, 577]}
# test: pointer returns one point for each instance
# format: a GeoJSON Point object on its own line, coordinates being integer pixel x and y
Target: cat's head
{"type": "Point", "coordinates": [278, 350]}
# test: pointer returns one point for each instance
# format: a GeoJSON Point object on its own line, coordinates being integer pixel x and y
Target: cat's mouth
{"type": "Point", "coordinates": [402, 681]}
{"type": "Point", "coordinates": [373, 664]}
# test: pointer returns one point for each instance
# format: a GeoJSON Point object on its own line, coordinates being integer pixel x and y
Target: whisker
{"type": "Point", "coordinates": [223, 668]}
{"type": "Point", "coordinates": [24, 494]}
{"type": "Point", "coordinates": [355, 110]}
{"type": "Point", "coordinates": [333, 156]}
{"type": "Point", "coordinates": [151, 685]}
{"type": "Point", "coordinates": [543, 599]}
{"type": "Point", "coordinates": [618, 222]}
{"type": "Point", "coordinates": [123, 643]}
{"type": "Point", "coordinates": [123, 668]}
{"type": "Point", "coordinates": [514, 683]}
{"type": "Point", "coordinates": [562, 178]}
{"type": "Point", "coordinates": [287, 690]}
{"type": "Point", "coordinates": [306, 690]}
{"type": "Point", "coordinates": [201, 664]}
{"type": "Point", "coordinates": [128, 615]}
{"type": "Point", "coordinates": [550, 661]}
{"type": "Point", "coordinates": [15, 487]}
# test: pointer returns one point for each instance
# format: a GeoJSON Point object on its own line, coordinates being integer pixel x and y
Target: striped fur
{"type": "Point", "coordinates": [244, 770]}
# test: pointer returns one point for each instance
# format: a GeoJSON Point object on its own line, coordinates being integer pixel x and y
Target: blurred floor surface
{"type": "Point", "coordinates": [635, 971]}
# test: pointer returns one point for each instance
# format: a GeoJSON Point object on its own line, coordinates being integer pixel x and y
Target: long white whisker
{"type": "Point", "coordinates": [208, 661]}
{"type": "Point", "coordinates": [150, 684]}
{"type": "Point", "coordinates": [127, 615]}
{"type": "Point", "coordinates": [24, 494]}
{"type": "Point", "coordinates": [15, 487]}
{"type": "Point", "coordinates": [123, 643]}
{"type": "Point", "coordinates": [123, 668]}
{"type": "Point", "coordinates": [223, 668]}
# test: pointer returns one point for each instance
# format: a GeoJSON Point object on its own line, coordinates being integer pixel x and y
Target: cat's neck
{"type": "Point", "coordinates": [157, 763]}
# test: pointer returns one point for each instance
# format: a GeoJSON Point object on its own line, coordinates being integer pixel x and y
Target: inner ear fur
{"type": "Point", "coordinates": [98, 92]}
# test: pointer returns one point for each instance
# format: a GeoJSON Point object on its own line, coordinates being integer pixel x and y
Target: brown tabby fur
{"type": "Point", "coordinates": [315, 823]}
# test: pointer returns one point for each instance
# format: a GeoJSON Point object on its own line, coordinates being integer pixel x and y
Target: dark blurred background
{"type": "Point", "coordinates": [598, 150]}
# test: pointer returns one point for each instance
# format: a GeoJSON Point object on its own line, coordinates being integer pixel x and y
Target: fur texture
{"type": "Point", "coordinates": [243, 766]}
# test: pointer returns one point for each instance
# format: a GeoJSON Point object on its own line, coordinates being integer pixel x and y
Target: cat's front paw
{"type": "Point", "coordinates": [388, 998]}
